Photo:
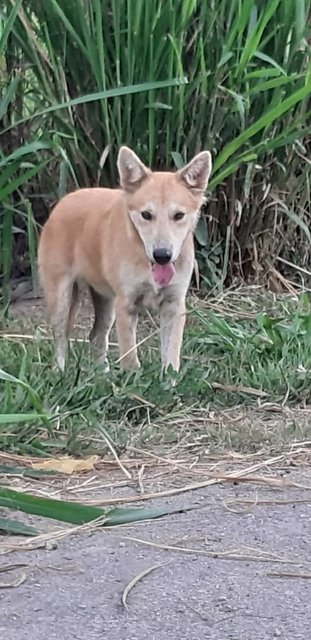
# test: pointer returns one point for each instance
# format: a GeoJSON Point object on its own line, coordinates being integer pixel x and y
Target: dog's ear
{"type": "Point", "coordinates": [197, 172]}
{"type": "Point", "coordinates": [132, 171]}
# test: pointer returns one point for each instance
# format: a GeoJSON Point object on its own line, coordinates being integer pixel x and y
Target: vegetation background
{"type": "Point", "coordinates": [81, 77]}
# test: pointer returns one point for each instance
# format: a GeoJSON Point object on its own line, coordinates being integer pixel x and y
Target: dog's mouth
{"type": "Point", "coordinates": [162, 273]}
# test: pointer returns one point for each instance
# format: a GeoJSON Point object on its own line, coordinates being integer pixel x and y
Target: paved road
{"type": "Point", "coordinates": [190, 598]}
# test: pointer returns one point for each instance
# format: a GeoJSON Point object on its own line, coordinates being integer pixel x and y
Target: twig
{"type": "Point", "coordinates": [14, 583]}
{"type": "Point", "coordinates": [140, 479]}
{"type": "Point", "coordinates": [288, 574]}
{"type": "Point", "coordinates": [294, 266]}
{"type": "Point", "coordinates": [232, 554]}
{"type": "Point", "coordinates": [236, 476]}
{"type": "Point", "coordinates": [115, 455]}
{"type": "Point", "coordinates": [139, 577]}
{"type": "Point", "coordinates": [138, 344]}
{"type": "Point", "coordinates": [239, 389]}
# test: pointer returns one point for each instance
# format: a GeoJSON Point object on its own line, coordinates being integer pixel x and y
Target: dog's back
{"type": "Point", "coordinates": [75, 215]}
{"type": "Point", "coordinates": [73, 236]}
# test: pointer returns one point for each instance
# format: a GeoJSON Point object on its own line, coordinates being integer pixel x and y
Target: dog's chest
{"type": "Point", "coordinates": [148, 297]}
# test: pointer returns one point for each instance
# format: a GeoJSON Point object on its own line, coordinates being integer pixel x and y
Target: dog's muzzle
{"type": "Point", "coordinates": [162, 255]}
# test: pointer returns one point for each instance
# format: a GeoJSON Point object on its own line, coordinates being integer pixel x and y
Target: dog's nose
{"type": "Point", "coordinates": [162, 256]}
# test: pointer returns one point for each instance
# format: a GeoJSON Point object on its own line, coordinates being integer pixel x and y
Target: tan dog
{"type": "Point", "coordinates": [132, 246]}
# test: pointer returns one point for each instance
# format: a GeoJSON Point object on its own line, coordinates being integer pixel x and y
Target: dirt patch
{"type": "Point", "coordinates": [29, 307]}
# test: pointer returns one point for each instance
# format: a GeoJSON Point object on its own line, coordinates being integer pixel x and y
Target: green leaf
{"type": "Point", "coordinates": [263, 56]}
{"type": "Point", "coordinates": [298, 221]}
{"type": "Point", "coordinates": [266, 120]}
{"type": "Point", "coordinates": [126, 516]}
{"type": "Point", "coordinates": [263, 73]}
{"type": "Point", "coordinates": [17, 528]}
{"type": "Point", "coordinates": [177, 159]}
{"type": "Point", "coordinates": [273, 84]}
{"type": "Point", "coordinates": [38, 405]}
{"type": "Point", "coordinates": [159, 105]}
{"type": "Point", "coordinates": [8, 96]}
{"type": "Point", "coordinates": [4, 375]}
{"type": "Point", "coordinates": [21, 179]}
{"type": "Point", "coordinates": [231, 168]}
{"type": "Point", "coordinates": [24, 150]}
{"type": "Point", "coordinates": [12, 418]}
{"type": "Point", "coordinates": [257, 31]}
{"type": "Point", "coordinates": [8, 26]}
{"type": "Point", "coordinates": [103, 95]}
{"type": "Point", "coordinates": [25, 471]}
{"type": "Point", "coordinates": [201, 231]}
{"type": "Point", "coordinates": [74, 512]}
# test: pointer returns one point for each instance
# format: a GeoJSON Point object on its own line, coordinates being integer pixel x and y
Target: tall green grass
{"type": "Point", "coordinates": [36, 104]}
{"type": "Point", "coordinates": [248, 71]}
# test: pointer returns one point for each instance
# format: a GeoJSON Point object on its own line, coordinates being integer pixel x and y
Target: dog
{"type": "Point", "coordinates": [133, 247]}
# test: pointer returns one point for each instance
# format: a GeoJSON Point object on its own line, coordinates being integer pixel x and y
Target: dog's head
{"type": "Point", "coordinates": [163, 206]}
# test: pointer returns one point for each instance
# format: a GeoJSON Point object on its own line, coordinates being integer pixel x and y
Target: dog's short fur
{"type": "Point", "coordinates": [132, 246]}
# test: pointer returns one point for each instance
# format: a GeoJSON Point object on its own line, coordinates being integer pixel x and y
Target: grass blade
{"type": "Point", "coordinates": [15, 418]}
{"type": "Point", "coordinates": [266, 120]}
{"type": "Point", "coordinates": [8, 418]}
{"type": "Point", "coordinates": [25, 471]}
{"type": "Point", "coordinates": [17, 528]}
{"type": "Point", "coordinates": [73, 512]}
{"type": "Point", "coordinates": [9, 25]}
{"type": "Point", "coordinates": [103, 95]}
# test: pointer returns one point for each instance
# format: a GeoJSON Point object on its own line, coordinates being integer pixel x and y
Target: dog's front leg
{"type": "Point", "coordinates": [126, 323]}
{"type": "Point", "coordinates": [172, 322]}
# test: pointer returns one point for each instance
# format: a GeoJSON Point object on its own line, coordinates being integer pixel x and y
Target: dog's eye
{"type": "Point", "coordinates": [179, 215]}
{"type": "Point", "coordinates": [146, 215]}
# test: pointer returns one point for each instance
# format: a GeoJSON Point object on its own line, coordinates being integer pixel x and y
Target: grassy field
{"type": "Point", "coordinates": [245, 358]}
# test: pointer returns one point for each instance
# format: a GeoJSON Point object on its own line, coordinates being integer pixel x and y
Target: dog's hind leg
{"type": "Point", "coordinates": [73, 306]}
{"type": "Point", "coordinates": [103, 321]}
{"type": "Point", "coordinates": [61, 296]}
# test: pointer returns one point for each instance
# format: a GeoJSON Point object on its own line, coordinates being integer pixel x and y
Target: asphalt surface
{"type": "Point", "coordinates": [75, 591]}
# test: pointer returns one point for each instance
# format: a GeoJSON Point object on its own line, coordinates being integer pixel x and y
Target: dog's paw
{"type": "Point", "coordinates": [104, 363]}
{"type": "Point", "coordinates": [169, 375]}
{"type": "Point", "coordinates": [129, 365]}
{"type": "Point", "coordinates": [58, 368]}
{"type": "Point", "coordinates": [106, 366]}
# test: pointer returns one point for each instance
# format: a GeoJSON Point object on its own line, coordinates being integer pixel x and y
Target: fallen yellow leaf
{"type": "Point", "coordinates": [67, 465]}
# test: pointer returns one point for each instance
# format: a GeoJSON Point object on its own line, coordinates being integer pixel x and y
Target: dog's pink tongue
{"type": "Point", "coordinates": [162, 273]}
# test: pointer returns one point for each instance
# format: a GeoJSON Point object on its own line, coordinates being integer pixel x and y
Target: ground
{"type": "Point", "coordinates": [231, 563]}
{"type": "Point", "coordinates": [247, 574]}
